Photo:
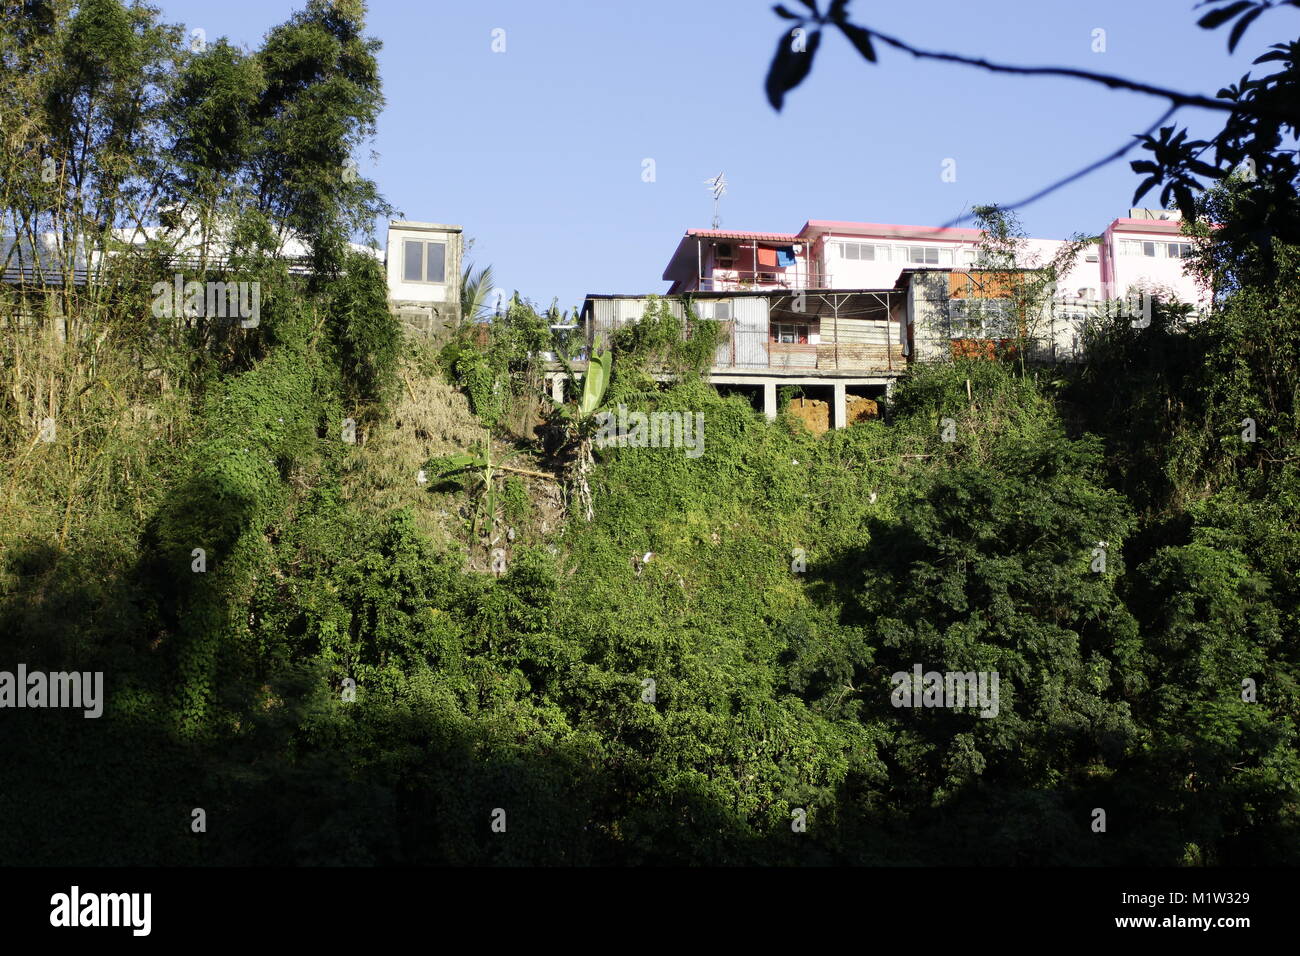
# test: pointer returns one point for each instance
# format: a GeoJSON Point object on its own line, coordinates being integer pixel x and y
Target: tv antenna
{"type": "Point", "coordinates": [719, 186]}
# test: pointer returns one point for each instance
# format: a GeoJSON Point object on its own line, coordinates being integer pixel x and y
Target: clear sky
{"type": "Point", "coordinates": [538, 151]}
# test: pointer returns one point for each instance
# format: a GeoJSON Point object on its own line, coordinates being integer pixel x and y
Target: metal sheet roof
{"type": "Point", "coordinates": [755, 236]}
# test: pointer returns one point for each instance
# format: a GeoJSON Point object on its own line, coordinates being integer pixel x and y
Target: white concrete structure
{"type": "Point", "coordinates": [1144, 250]}
{"type": "Point", "coordinates": [424, 273]}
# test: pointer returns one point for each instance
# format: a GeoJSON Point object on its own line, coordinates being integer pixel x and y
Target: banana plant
{"type": "Point", "coordinates": [579, 426]}
{"type": "Point", "coordinates": [594, 386]}
{"type": "Point", "coordinates": [485, 473]}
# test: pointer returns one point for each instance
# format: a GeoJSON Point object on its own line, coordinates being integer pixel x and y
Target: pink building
{"type": "Point", "coordinates": [1143, 251]}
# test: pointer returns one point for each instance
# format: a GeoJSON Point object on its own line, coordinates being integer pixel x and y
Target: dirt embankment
{"type": "Point", "coordinates": [816, 415]}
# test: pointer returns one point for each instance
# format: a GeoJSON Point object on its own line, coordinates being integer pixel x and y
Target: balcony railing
{"type": "Point", "coordinates": [734, 280]}
{"type": "Point", "coordinates": [788, 355]}
{"type": "Point", "coordinates": [756, 351]}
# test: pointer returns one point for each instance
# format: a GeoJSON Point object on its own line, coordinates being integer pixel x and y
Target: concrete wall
{"type": "Point", "coordinates": [428, 307]}
{"type": "Point", "coordinates": [891, 258]}
{"type": "Point", "coordinates": [1161, 271]}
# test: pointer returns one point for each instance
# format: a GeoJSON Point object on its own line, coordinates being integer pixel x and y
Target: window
{"type": "Point", "coordinates": [1129, 247]}
{"type": "Point", "coordinates": [424, 261]}
{"type": "Point", "coordinates": [1180, 250]}
{"type": "Point", "coordinates": [724, 250]}
{"type": "Point", "coordinates": [789, 333]}
{"type": "Point", "coordinates": [922, 255]}
{"type": "Point", "coordinates": [982, 318]}
{"type": "Point", "coordinates": [722, 310]}
{"type": "Point", "coordinates": [858, 250]}
{"type": "Point", "coordinates": [1149, 249]}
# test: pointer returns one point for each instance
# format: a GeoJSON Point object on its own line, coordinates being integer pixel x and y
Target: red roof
{"type": "Point", "coordinates": [757, 236]}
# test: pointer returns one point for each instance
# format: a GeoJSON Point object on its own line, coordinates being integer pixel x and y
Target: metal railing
{"type": "Point", "coordinates": [50, 273]}
{"type": "Point", "coordinates": [735, 280]}
{"type": "Point", "coordinates": [756, 350]}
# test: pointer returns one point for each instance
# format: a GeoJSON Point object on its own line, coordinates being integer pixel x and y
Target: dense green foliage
{"type": "Point", "coordinates": [674, 680]}
{"type": "Point", "coordinates": [1120, 690]}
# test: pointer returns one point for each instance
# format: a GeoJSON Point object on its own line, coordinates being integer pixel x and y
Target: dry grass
{"type": "Point", "coordinates": [431, 418]}
{"type": "Point", "coordinates": [115, 423]}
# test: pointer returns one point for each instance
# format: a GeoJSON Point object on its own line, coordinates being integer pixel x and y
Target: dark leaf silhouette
{"type": "Point", "coordinates": [861, 39]}
{"type": "Point", "coordinates": [790, 66]}
{"type": "Point", "coordinates": [1216, 18]}
{"type": "Point", "coordinates": [1239, 28]}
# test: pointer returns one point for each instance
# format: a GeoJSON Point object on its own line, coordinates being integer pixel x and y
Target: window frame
{"type": "Point", "coordinates": [778, 329]}
{"type": "Point", "coordinates": [424, 261]}
{"type": "Point", "coordinates": [996, 319]}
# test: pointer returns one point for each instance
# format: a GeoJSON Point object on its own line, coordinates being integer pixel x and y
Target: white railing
{"type": "Point", "coordinates": [735, 280]}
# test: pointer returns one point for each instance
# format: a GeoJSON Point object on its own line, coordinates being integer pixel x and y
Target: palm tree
{"type": "Point", "coordinates": [475, 287]}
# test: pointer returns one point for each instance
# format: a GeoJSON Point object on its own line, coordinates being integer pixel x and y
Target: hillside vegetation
{"type": "Point", "coordinates": [348, 674]}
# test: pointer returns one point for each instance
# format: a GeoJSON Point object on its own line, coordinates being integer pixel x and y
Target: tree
{"type": "Point", "coordinates": [1262, 114]}
{"type": "Point", "coordinates": [1021, 278]}
{"type": "Point", "coordinates": [322, 99]}
{"type": "Point", "coordinates": [475, 287]}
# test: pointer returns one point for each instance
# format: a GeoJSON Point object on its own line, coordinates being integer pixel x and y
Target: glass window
{"type": "Point", "coordinates": [1180, 250]}
{"type": "Point", "coordinates": [722, 310]}
{"type": "Point", "coordinates": [413, 261]}
{"type": "Point", "coordinates": [981, 318]}
{"type": "Point", "coordinates": [436, 265]}
{"type": "Point", "coordinates": [789, 334]}
{"type": "Point", "coordinates": [424, 261]}
{"type": "Point", "coordinates": [1149, 249]}
{"type": "Point", "coordinates": [859, 251]}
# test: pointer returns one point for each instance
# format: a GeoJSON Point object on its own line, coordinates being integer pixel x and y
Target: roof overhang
{"type": "Point", "coordinates": [814, 227]}
{"type": "Point", "coordinates": [685, 259]}
{"type": "Point", "coordinates": [1165, 227]}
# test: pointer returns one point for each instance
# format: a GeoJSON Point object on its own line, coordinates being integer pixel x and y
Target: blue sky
{"type": "Point", "coordinates": [538, 151]}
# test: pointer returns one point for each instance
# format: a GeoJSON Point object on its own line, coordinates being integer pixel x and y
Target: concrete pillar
{"type": "Point", "coordinates": [840, 403]}
{"type": "Point", "coordinates": [557, 388]}
{"type": "Point", "coordinates": [769, 399]}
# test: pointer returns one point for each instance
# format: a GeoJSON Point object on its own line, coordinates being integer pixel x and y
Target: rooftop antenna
{"type": "Point", "coordinates": [719, 186]}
